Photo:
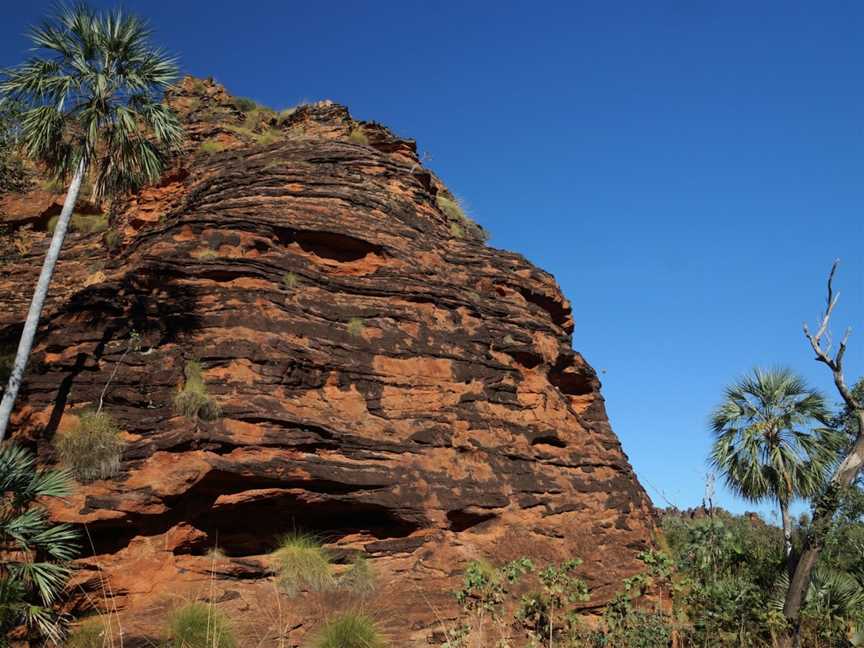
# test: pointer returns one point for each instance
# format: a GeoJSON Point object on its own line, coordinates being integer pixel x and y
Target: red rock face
{"type": "Point", "coordinates": [401, 392]}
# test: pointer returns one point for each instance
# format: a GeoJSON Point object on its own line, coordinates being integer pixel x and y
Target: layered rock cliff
{"type": "Point", "coordinates": [386, 381]}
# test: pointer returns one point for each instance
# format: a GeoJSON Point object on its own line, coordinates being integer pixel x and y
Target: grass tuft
{"type": "Point", "coordinates": [289, 280]}
{"type": "Point", "coordinates": [357, 136]}
{"type": "Point", "coordinates": [349, 630]}
{"type": "Point", "coordinates": [112, 240]}
{"type": "Point", "coordinates": [211, 146]}
{"type": "Point", "coordinates": [197, 625]}
{"type": "Point", "coordinates": [246, 104]}
{"type": "Point", "coordinates": [460, 223]}
{"type": "Point", "coordinates": [193, 401]}
{"type": "Point", "coordinates": [303, 564]}
{"type": "Point", "coordinates": [356, 326]}
{"type": "Point", "coordinates": [360, 578]}
{"type": "Point", "coordinates": [91, 633]}
{"type": "Point", "coordinates": [92, 449]}
{"type": "Point", "coordinates": [84, 223]}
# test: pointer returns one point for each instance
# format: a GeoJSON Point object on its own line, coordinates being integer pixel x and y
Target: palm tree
{"type": "Point", "coordinates": [93, 99]}
{"type": "Point", "coordinates": [772, 440]}
{"type": "Point", "coordinates": [34, 569]}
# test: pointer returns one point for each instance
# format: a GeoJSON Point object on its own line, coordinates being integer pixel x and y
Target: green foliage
{"type": "Point", "coordinates": [349, 630]}
{"type": "Point", "coordinates": [197, 625]}
{"type": "Point", "coordinates": [14, 175]}
{"type": "Point", "coordinates": [193, 401]}
{"type": "Point", "coordinates": [36, 554]}
{"type": "Point", "coordinates": [538, 611]}
{"type": "Point", "coordinates": [631, 627]}
{"type": "Point", "coordinates": [210, 146]}
{"type": "Point", "coordinates": [90, 633]}
{"type": "Point", "coordinates": [484, 586]}
{"type": "Point", "coordinates": [356, 326]}
{"type": "Point", "coordinates": [92, 449]}
{"type": "Point", "coordinates": [461, 225]}
{"type": "Point", "coordinates": [289, 280]}
{"type": "Point", "coordinates": [772, 438]}
{"type": "Point", "coordinates": [93, 91]}
{"type": "Point", "coordinates": [357, 136]}
{"type": "Point", "coordinates": [303, 564]}
{"type": "Point", "coordinates": [360, 578]}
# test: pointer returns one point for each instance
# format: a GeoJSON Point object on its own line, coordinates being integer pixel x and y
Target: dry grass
{"type": "Point", "coordinates": [357, 136]}
{"type": "Point", "coordinates": [211, 146]}
{"type": "Point", "coordinates": [198, 625]}
{"type": "Point", "coordinates": [349, 630]}
{"type": "Point", "coordinates": [360, 578]}
{"type": "Point", "coordinates": [83, 223]}
{"type": "Point", "coordinates": [92, 449]}
{"type": "Point", "coordinates": [303, 564]}
{"type": "Point", "coordinates": [356, 326]}
{"type": "Point", "coordinates": [193, 401]}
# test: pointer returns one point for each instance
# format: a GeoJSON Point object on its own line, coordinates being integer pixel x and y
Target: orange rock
{"type": "Point", "coordinates": [404, 394]}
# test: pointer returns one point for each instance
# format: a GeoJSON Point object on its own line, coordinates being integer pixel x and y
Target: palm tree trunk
{"type": "Point", "coordinates": [32, 322]}
{"type": "Point", "coordinates": [787, 530]}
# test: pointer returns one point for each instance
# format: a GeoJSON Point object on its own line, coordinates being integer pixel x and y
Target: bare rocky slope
{"type": "Point", "coordinates": [386, 381]}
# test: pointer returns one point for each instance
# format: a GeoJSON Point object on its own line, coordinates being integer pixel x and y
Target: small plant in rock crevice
{"type": "Point", "coordinates": [289, 280]}
{"type": "Point", "coordinates": [193, 401]}
{"type": "Point", "coordinates": [356, 326]}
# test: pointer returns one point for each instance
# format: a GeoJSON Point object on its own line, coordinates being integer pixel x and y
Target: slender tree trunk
{"type": "Point", "coordinates": [787, 532]}
{"type": "Point", "coordinates": [823, 513]}
{"type": "Point", "coordinates": [32, 322]}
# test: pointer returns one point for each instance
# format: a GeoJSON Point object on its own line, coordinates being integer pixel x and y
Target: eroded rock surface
{"type": "Point", "coordinates": [403, 392]}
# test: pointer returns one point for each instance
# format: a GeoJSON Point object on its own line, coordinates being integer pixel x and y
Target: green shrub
{"type": "Point", "coordinates": [349, 630]}
{"type": "Point", "coordinates": [91, 633]}
{"type": "Point", "coordinates": [197, 625]}
{"type": "Point", "coordinates": [289, 280]}
{"type": "Point", "coordinates": [92, 449]}
{"type": "Point", "coordinates": [355, 326]}
{"type": "Point", "coordinates": [357, 136]}
{"type": "Point", "coordinates": [303, 564]}
{"type": "Point", "coordinates": [359, 578]}
{"type": "Point", "coordinates": [245, 104]}
{"type": "Point", "coordinates": [210, 146]}
{"type": "Point", "coordinates": [193, 401]}
{"type": "Point", "coordinates": [112, 240]}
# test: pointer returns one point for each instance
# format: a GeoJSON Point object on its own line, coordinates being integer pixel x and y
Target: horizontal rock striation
{"type": "Point", "coordinates": [398, 390]}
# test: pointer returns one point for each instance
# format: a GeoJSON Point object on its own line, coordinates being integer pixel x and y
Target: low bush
{"type": "Point", "coordinates": [92, 449]}
{"type": "Point", "coordinates": [349, 630]}
{"type": "Point", "coordinates": [193, 401]}
{"type": "Point", "coordinates": [303, 564]}
{"type": "Point", "coordinates": [197, 625]}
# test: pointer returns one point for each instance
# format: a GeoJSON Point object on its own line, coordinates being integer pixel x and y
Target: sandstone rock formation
{"type": "Point", "coordinates": [405, 392]}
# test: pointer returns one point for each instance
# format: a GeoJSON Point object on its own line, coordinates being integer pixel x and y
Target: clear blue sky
{"type": "Point", "coordinates": [687, 170]}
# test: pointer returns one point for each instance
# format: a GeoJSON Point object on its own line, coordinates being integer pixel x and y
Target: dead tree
{"type": "Point", "coordinates": [844, 474]}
